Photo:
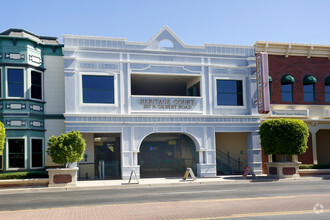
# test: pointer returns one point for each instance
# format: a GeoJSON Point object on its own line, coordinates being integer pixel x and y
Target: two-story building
{"type": "Point", "coordinates": [161, 106]}
{"type": "Point", "coordinates": [31, 97]}
{"type": "Point", "coordinates": [299, 79]}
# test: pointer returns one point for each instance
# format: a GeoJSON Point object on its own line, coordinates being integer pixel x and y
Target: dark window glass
{"type": "Point", "coordinates": [37, 153]}
{"type": "Point", "coordinates": [98, 89]}
{"type": "Point", "coordinates": [286, 92]}
{"type": "Point", "coordinates": [0, 96]}
{"type": "Point", "coordinates": [327, 93]}
{"type": "Point", "coordinates": [229, 92]}
{"type": "Point", "coordinates": [36, 88]}
{"type": "Point", "coordinates": [16, 153]}
{"type": "Point", "coordinates": [309, 93]}
{"type": "Point", "coordinates": [15, 83]}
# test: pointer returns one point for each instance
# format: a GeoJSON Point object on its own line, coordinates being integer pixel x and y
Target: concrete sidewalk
{"type": "Point", "coordinates": [156, 182]}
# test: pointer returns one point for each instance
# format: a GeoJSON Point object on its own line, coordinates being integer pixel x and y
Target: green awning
{"type": "Point", "coordinates": [287, 79]}
{"type": "Point", "coordinates": [327, 81]}
{"type": "Point", "coordinates": [309, 79]}
{"type": "Point", "coordinates": [270, 79]}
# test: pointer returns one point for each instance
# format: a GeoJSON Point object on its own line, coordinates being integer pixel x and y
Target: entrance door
{"type": "Point", "coordinates": [107, 156]}
{"type": "Point", "coordinates": [164, 155]}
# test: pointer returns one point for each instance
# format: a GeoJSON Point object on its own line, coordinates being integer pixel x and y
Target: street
{"type": "Point", "coordinates": [255, 200]}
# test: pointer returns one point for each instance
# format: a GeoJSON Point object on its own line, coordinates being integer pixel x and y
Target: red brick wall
{"type": "Point", "coordinates": [298, 67]}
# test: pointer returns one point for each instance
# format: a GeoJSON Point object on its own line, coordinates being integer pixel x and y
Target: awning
{"type": "Point", "coordinates": [309, 79]}
{"type": "Point", "coordinates": [287, 79]}
{"type": "Point", "coordinates": [270, 79]}
{"type": "Point", "coordinates": [327, 81]}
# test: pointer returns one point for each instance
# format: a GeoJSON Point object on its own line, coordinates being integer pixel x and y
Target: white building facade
{"type": "Point", "coordinates": [161, 106]}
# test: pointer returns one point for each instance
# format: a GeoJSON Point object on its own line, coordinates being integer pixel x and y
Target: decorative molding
{"type": "Point", "coordinates": [15, 123]}
{"type": "Point", "coordinates": [34, 107]}
{"type": "Point", "coordinates": [160, 119]}
{"type": "Point", "coordinates": [34, 123]}
{"type": "Point", "coordinates": [15, 106]}
{"type": "Point", "coordinates": [15, 56]}
{"type": "Point", "coordinates": [35, 59]}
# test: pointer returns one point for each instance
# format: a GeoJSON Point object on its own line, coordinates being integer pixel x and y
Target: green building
{"type": "Point", "coordinates": [31, 97]}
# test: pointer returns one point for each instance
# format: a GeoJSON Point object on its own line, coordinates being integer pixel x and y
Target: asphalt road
{"type": "Point", "coordinates": [256, 200]}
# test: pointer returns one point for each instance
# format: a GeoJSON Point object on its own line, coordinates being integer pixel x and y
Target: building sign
{"type": "Point", "coordinates": [165, 103]}
{"type": "Point", "coordinates": [290, 113]}
{"type": "Point", "coordinates": [262, 83]}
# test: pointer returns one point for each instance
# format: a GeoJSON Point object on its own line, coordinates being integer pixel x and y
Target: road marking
{"type": "Point", "coordinates": [261, 214]}
{"type": "Point", "coordinates": [183, 201]}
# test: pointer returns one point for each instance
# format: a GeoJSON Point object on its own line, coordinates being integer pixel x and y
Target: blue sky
{"type": "Point", "coordinates": [239, 22]}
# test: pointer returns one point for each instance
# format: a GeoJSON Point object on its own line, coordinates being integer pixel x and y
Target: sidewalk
{"type": "Point", "coordinates": [156, 182]}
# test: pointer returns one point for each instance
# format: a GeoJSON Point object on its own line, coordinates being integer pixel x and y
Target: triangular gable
{"type": "Point", "coordinates": [164, 34]}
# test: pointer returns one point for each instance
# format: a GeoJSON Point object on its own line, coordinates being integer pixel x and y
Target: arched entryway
{"type": "Point", "coordinates": [167, 155]}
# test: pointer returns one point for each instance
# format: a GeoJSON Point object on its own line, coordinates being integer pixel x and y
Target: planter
{"type": "Point", "coordinates": [283, 169]}
{"type": "Point", "coordinates": [62, 177]}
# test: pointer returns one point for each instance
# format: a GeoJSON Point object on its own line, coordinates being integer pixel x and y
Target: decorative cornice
{"type": "Point", "coordinates": [293, 49]}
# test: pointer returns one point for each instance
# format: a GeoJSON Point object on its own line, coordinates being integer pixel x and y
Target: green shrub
{"type": "Point", "coordinates": [23, 175]}
{"type": "Point", "coordinates": [66, 148]}
{"type": "Point", "coordinates": [284, 136]}
{"type": "Point", "coordinates": [2, 137]}
{"type": "Point", "coordinates": [314, 166]}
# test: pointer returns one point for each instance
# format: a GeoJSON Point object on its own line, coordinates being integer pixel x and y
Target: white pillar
{"type": "Point", "coordinates": [254, 152]}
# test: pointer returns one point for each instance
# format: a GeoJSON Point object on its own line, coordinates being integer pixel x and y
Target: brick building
{"type": "Point", "coordinates": [299, 79]}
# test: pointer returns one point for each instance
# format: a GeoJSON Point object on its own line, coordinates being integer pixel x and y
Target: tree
{"type": "Point", "coordinates": [284, 136]}
{"type": "Point", "coordinates": [66, 148]}
{"type": "Point", "coordinates": [2, 137]}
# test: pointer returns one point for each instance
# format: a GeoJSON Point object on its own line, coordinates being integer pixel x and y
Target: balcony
{"type": "Point", "coordinates": [165, 94]}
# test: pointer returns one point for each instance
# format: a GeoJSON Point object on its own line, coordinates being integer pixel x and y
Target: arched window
{"type": "Point", "coordinates": [309, 88]}
{"type": "Point", "coordinates": [287, 88]}
{"type": "Point", "coordinates": [327, 89]}
{"type": "Point", "coordinates": [165, 43]}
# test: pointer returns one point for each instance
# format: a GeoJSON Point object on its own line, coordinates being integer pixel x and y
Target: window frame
{"type": "Point", "coordinates": [42, 84]}
{"type": "Point", "coordinates": [313, 84]}
{"type": "Point", "coordinates": [215, 90]}
{"type": "Point", "coordinates": [7, 153]}
{"type": "Point", "coordinates": [1, 85]}
{"type": "Point", "coordinates": [291, 84]}
{"type": "Point", "coordinates": [42, 153]}
{"type": "Point", "coordinates": [325, 97]}
{"type": "Point", "coordinates": [81, 103]}
{"type": "Point", "coordinates": [24, 82]}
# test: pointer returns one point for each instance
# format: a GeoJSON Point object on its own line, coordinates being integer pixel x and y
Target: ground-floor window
{"type": "Point", "coordinates": [16, 153]}
{"type": "Point", "coordinates": [37, 153]}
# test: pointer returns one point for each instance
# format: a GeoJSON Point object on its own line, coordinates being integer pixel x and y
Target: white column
{"type": "Point", "coordinates": [254, 152]}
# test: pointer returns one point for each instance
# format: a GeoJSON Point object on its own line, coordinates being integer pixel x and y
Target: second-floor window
{"type": "Point", "coordinates": [229, 92]}
{"type": "Point", "coordinates": [36, 85]}
{"type": "Point", "coordinates": [287, 88]}
{"type": "Point", "coordinates": [309, 88]}
{"type": "Point", "coordinates": [15, 82]}
{"type": "Point", "coordinates": [98, 89]}
{"type": "Point", "coordinates": [327, 89]}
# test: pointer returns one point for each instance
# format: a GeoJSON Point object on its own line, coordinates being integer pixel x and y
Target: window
{"type": "Point", "coordinates": [0, 89]}
{"type": "Point", "coordinates": [36, 85]}
{"type": "Point", "coordinates": [37, 153]}
{"type": "Point", "coordinates": [15, 82]}
{"type": "Point", "coordinates": [229, 92]}
{"type": "Point", "coordinates": [309, 88]}
{"type": "Point", "coordinates": [287, 88]}
{"type": "Point", "coordinates": [327, 89]}
{"type": "Point", "coordinates": [98, 89]}
{"type": "Point", "coordinates": [270, 79]}
{"type": "Point", "coordinates": [16, 153]}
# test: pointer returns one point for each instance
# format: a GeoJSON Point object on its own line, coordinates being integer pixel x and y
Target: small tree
{"type": "Point", "coordinates": [2, 137]}
{"type": "Point", "coordinates": [284, 136]}
{"type": "Point", "coordinates": [66, 148]}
